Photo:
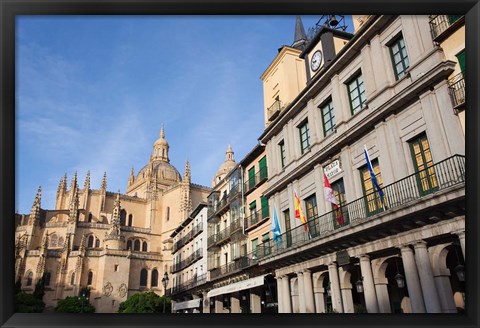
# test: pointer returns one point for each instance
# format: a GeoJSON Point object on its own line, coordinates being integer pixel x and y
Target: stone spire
{"type": "Point", "coordinates": [62, 186]}
{"type": "Point", "coordinates": [229, 154]}
{"type": "Point", "coordinates": [114, 232]}
{"type": "Point", "coordinates": [104, 182]}
{"type": "Point", "coordinates": [86, 186]}
{"type": "Point", "coordinates": [35, 211]}
{"type": "Point", "coordinates": [73, 207]}
{"type": "Point", "coordinates": [187, 175]}
{"type": "Point", "coordinates": [300, 38]}
{"type": "Point", "coordinates": [131, 179]}
{"type": "Point", "coordinates": [73, 184]}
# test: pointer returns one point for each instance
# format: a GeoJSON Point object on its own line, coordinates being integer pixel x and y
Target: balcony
{"type": "Point", "coordinates": [189, 284]}
{"type": "Point", "coordinates": [274, 110]}
{"type": "Point", "coordinates": [188, 237]}
{"type": "Point", "coordinates": [445, 174]}
{"type": "Point", "coordinates": [252, 183]}
{"type": "Point", "coordinates": [235, 266]}
{"type": "Point", "coordinates": [440, 25]}
{"type": "Point", "coordinates": [256, 219]}
{"type": "Point", "coordinates": [456, 89]}
{"type": "Point", "coordinates": [198, 254]}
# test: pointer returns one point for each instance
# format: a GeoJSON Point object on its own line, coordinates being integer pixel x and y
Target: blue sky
{"type": "Point", "coordinates": [93, 91]}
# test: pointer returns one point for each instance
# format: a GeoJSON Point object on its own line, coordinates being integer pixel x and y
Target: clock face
{"type": "Point", "coordinates": [316, 60]}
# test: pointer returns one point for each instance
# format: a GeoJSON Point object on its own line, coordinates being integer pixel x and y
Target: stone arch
{"type": "Point", "coordinates": [438, 259]}
{"type": "Point", "coordinates": [318, 280]}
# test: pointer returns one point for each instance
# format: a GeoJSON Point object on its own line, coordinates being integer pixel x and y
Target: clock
{"type": "Point", "coordinates": [316, 60]}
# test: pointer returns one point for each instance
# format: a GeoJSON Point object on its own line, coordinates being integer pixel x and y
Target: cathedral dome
{"type": "Point", "coordinates": [225, 167]}
{"type": "Point", "coordinates": [164, 171]}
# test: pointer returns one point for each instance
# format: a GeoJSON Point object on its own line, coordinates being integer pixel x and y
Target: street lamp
{"type": "Point", "coordinates": [83, 298]}
{"type": "Point", "coordinates": [164, 283]}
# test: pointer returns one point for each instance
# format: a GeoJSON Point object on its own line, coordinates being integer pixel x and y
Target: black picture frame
{"type": "Point", "coordinates": [9, 9]}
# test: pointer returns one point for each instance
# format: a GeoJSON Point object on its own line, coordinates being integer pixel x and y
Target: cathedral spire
{"type": "Point", "coordinates": [104, 182]}
{"type": "Point", "coordinates": [187, 175]}
{"type": "Point", "coordinates": [229, 154]}
{"type": "Point", "coordinates": [62, 186]}
{"type": "Point", "coordinates": [131, 179]}
{"type": "Point", "coordinates": [73, 207]}
{"type": "Point", "coordinates": [160, 148]}
{"type": "Point", "coordinates": [73, 184]}
{"type": "Point", "coordinates": [114, 232]}
{"type": "Point", "coordinates": [300, 38]}
{"type": "Point", "coordinates": [35, 211]}
{"type": "Point", "coordinates": [162, 133]}
{"type": "Point", "coordinates": [86, 186]}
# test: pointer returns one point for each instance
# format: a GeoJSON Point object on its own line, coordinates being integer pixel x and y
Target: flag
{"type": "Point", "coordinates": [331, 198]}
{"type": "Point", "coordinates": [372, 174]}
{"type": "Point", "coordinates": [298, 210]}
{"type": "Point", "coordinates": [276, 227]}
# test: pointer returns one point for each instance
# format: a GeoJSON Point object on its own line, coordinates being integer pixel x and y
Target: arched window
{"type": "Point", "coordinates": [136, 245]}
{"type": "Point", "coordinates": [168, 213]}
{"type": "Point", "coordinates": [89, 278]}
{"type": "Point", "coordinates": [144, 246]}
{"type": "Point", "coordinates": [129, 244]}
{"type": "Point", "coordinates": [29, 278]}
{"type": "Point", "coordinates": [123, 216]}
{"type": "Point", "coordinates": [154, 278]}
{"type": "Point", "coordinates": [53, 241]}
{"type": "Point", "coordinates": [60, 242]}
{"type": "Point", "coordinates": [90, 217]}
{"type": "Point", "coordinates": [72, 279]}
{"type": "Point", "coordinates": [130, 220]}
{"type": "Point", "coordinates": [97, 243]}
{"type": "Point", "coordinates": [47, 279]}
{"type": "Point", "coordinates": [143, 277]}
{"type": "Point", "coordinates": [90, 241]}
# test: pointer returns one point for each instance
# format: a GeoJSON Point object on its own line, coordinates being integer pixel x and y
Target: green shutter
{"type": "Point", "coordinates": [453, 18]}
{"type": "Point", "coordinates": [251, 178]}
{"type": "Point", "coordinates": [263, 168]}
{"type": "Point", "coordinates": [253, 204]}
{"type": "Point", "coordinates": [265, 211]}
{"type": "Point", "coordinates": [461, 61]}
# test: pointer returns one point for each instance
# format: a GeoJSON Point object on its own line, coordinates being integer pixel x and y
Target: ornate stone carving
{"type": "Point", "coordinates": [108, 289]}
{"type": "Point", "coordinates": [122, 290]}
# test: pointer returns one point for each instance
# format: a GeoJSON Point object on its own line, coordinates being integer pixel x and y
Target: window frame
{"type": "Point", "coordinates": [396, 42]}
{"type": "Point", "coordinates": [283, 155]}
{"type": "Point", "coordinates": [306, 133]}
{"type": "Point", "coordinates": [331, 112]}
{"type": "Point", "coordinates": [362, 105]}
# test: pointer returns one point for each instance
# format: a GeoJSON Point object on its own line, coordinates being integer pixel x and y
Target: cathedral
{"type": "Point", "coordinates": [115, 244]}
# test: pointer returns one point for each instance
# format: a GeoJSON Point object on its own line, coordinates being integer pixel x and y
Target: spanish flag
{"type": "Point", "coordinates": [298, 210]}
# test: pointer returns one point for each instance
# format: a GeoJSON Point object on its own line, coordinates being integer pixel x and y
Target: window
{"type": "Point", "coordinates": [90, 217]}
{"type": "Point", "coordinates": [115, 267]}
{"type": "Point", "coordinates": [90, 241]}
{"type": "Point", "coordinates": [265, 209]}
{"type": "Point", "coordinates": [60, 242]}
{"type": "Point", "coordinates": [123, 217]}
{"type": "Point", "coordinates": [423, 162]}
{"type": "Point", "coordinates": [72, 279]}
{"type": "Point", "coordinates": [129, 245]}
{"type": "Point", "coordinates": [47, 279]}
{"type": "Point", "coordinates": [283, 155]}
{"type": "Point", "coordinates": [373, 201]}
{"type": "Point", "coordinates": [253, 212]}
{"type": "Point", "coordinates": [266, 243]}
{"type": "Point", "coordinates": [304, 137]}
{"type": "Point", "coordinates": [144, 246]}
{"type": "Point", "coordinates": [288, 227]}
{"type": "Point", "coordinates": [89, 278]}
{"type": "Point", "coordinates": [340, 217]}
{"type": "Point", "coordinates": [312, 214]}
{"type": "Point", "coordinates": [400, 61]}
{"type": "Point", "coordinates": [53, 241]}
{"type": "Point", "coordinates": [130, 220]}
{"type": "Point", "coordinates": [254, 246]}
{"type": "Point", "coordinates": [154, 278]}
{"type": "Point", "coordinates": [356, 94]}
{"type": "Point", "coordinates": [328, 117]}
{"type": "Point", "coordinates": [143, 278]}
{"type": "Point", "coordinates": [263, 168]}
{"type": "Point", "coordinates": [461, 61]}
{"type": "Point", "coordinates": [136, 245]}
{"type": "Point", "coordinates": [97, 243]}
{"type": "Point", "coordinates": [251, 178]}
{"type": "Point", "coordinates": [29, 278]}
{"type": "Point", "coordinates": [168, 213]}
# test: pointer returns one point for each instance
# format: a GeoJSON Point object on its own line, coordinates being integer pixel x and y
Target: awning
{"type": "Point", "coordinates": [187, 304]}
{"type": "Point", "coordinates": [235, 287]}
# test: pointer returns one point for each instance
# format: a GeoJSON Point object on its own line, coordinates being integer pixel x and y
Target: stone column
{"type": "Point", "coordinates": [235, 303]}
{"type": "Point", "coordinates": [430, 295]}
{"type": "Point", "coordinates": [255, 301]}
{"type": "Point", "coordinates": [346, 288]}
{"type": "Point", "coordinates": [308, 292]}
{"type": "Point", "coordinates": [301, 292]}
{"type": "Point", "coordinates": [413, 282]}
{"type": "Point", "coordinates": [206, 305]}
{"type": "Point", "coordinates": [368, 285]}
{"type": "Point", "coordinates": [461, 237]}
{"type": "Point", "coordinates": [279, 294]}
{"type": "Point", "coordinates": [444, 288]}
{"type": "Point", "coordinates": [319, 300]}
{"type": "Point", "coordinates": [335, 287]}
{"type": "Point", "coordinates": [382, 295]}
{"type": "Point", "coordinates": [286, 297]}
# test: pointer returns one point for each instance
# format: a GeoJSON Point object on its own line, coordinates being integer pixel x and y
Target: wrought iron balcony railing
{"type": "Point", "coordinates": [237, 265]}
{"type": "Point", "coordinates": [274, 110]}
{"type": "Point", "coordinates": [225, 235]}
{"type": "Point", "coordinates": [256, 217]}
{"type": "Point", "coordinates": [198, 254]}
{"type": "Point", "coordinates": [442, 175]}
{"type": "Point", "coordinates": [189, 284]}
{"type": "Point", "coordinates": [440, 23]}
{"type": "Point", "coordinates": [456, 88]}
{"type": "Point", "coordinates": [189, 236]}
{"type": "Point", "coordinates": [258, 178]}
